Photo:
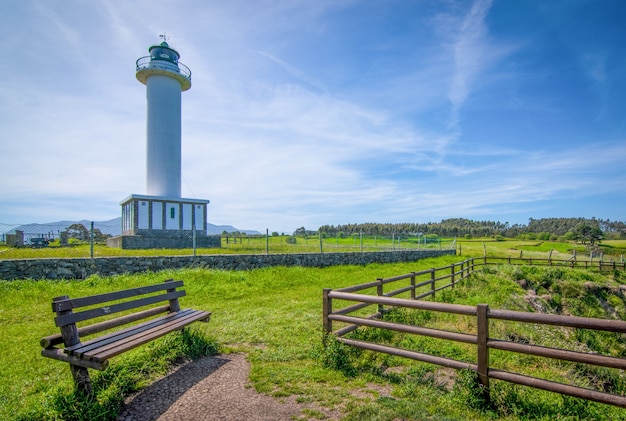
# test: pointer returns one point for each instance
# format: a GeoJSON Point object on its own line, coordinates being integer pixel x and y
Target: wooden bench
{"type": "Point", "coordinates": [95, 353]}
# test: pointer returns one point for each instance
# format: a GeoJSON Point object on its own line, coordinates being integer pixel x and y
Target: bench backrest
{"type": "Point", "coordinates": [149, 295]}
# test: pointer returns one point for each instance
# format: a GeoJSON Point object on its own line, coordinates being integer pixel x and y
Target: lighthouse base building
{"type": "Point", "coordinates": [150, 222]}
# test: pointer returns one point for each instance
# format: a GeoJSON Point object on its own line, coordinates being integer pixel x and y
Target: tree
{"type": "Point", "coordinates": [588, 233]}
{"type": "Point", "coordinates": [78, 231]}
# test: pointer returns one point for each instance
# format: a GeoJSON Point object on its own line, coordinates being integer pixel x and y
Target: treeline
{"type": "Point", "coordinates": [545, 228]}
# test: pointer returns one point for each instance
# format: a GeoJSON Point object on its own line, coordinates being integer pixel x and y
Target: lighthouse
{"type": "Point", "coordinates": [165, 78]}
{"type": "Point", "coordinates": [161, 218]}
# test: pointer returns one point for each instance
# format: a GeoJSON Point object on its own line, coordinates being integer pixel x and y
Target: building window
{"type": "Point", "coordinates": [172, 212]}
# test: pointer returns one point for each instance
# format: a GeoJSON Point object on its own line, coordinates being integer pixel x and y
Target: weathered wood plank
{"type": "Point", "coordinates": [56, 339]}
{"type": "Point", "coordinates": [78, 350]}
{"type": "Point", "coordinates": [68, 303]}
{"type": "Point", "coordinates": [58, 354]}
{"type": "Point", "coordinates": [111, 350]}
{"type": "Point", "coordinates": [115, 308]}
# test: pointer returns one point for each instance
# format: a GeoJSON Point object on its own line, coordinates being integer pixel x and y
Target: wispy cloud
{"type": "Point", "coordinates": [293, 71]}
{"type": "Point", "coordinates": [470, 51]}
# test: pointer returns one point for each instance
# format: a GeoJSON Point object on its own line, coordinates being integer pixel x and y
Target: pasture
{"type": "Point", "coordinates": [274, 316]}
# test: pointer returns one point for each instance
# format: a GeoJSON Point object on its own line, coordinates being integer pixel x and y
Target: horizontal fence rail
{"type": "Point", "coordinates": [572, 262]}
{"type": "Point", "coordinates": [355, 299]}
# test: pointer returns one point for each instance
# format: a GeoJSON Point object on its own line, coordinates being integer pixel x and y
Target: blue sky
{"type": "Point", "coordinates": [305, 113]}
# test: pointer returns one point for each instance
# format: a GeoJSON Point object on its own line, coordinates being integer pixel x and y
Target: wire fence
{"type": "Point", "coordinates": [86, 239]}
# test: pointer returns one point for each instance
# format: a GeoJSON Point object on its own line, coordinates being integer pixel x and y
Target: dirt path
{"type": "Point", "coordinates": [212, 388]}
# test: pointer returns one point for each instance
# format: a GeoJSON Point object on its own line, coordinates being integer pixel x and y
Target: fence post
{"type": "Point", "coordinates": [412, 285]}
{"type": "Point", "coordinates": [267, 241]}
{"type": "Point", "coordinates": [321, 246]}
{"type": "Point", "coordinates": [379, 292]}
{"type": "Point", "coordinates": [432, 282]}
{"type": "Point", "coordinates": [361, 240]}
{"type": "Point", "coordinates": [327, 309]}
{"type": "Point", "coordinates": [453, 267]}
{"type": "Point", "coordinates": [193, 240]}
{"type": "Point", "coordinates": [482, 312]}
{"type": "Point", "coordinates": [550, 257]}
{"type": "Point", "coordinates": [91, 239]}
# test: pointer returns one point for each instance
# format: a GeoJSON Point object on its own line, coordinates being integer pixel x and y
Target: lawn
{"type": "Point", "coordinates": [273, 315]}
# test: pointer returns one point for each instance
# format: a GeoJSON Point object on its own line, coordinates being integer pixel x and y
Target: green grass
{"type": "Point", "coordinates": [512, 248]}
{"type": "Point", "coordinates": [577, 292]}
{"type": "Point", "coordinates": [239, 245]}
{"type": "Point", "coordinates": [279, 244]}
{"type": "Point", "coordinates": [274, 316]}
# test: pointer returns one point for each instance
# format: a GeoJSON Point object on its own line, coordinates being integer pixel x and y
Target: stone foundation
{"type": "Point", "coordinates": [138, 242]}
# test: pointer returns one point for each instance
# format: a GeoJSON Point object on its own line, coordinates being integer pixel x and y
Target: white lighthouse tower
{"type": "Point", "coordinates": [162, 218]}
{"type": "Point", "coordinates": [165, 78]}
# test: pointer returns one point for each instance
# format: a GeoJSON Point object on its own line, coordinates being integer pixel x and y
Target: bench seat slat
{"type": "Point", "coordinates": [83, 347]}
{"type": "Point", "coordinates": [101, 350]}
{"type": "Point", "coordinates": [115, 308]}
{"type": "Point", "coordinates": [69, 304]}
{"type": "Point", "coordinates": [147, 336]}
{"type": "Point", "coordinates": [57, 339]}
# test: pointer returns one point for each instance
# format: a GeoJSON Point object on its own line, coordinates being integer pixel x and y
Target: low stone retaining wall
{"type": "Point", "coordinates": [108, 266]}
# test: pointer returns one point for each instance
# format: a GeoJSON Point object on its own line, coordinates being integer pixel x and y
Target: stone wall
{"type": "Point", "coordinates": [107, 266]}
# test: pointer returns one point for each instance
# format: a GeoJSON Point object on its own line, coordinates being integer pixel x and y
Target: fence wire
{"type": "Point", "coordinates": [86, 239]}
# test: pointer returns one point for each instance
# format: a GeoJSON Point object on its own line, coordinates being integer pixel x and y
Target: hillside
{"type": "Point", "coordinates": [111, 227]}
{"type": "Point", "coordinates": [565, 291]}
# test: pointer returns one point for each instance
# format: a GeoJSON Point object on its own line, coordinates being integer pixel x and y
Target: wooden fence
{"type": "Point", "coordinates": [436, 279]}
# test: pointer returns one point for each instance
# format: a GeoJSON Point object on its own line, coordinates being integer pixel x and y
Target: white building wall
{"type": "Point", "coordinates": [199, 218]}
{"type": "Point", "coordinates": [172, 216]}
{"type": "Point", "coordinates": [143, 215]}
{"type": "Point", "coordinates": [187, 209]}
{"type": "Point", "coordinates": [157, 215]}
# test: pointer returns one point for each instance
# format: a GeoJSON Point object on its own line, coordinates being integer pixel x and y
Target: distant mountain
{"type": "Point", "coordinates": [112, 227]}
{"type": "Point", "coordinates": [218, 229]}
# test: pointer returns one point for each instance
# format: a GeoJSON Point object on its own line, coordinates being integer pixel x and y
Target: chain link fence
{"type": "Point", "coordinates": [86, 239]}
{"type": "Point", "coordinates": [62, 239]}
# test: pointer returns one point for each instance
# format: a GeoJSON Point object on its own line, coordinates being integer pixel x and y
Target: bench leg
{"type": "Point", "coordinates": [81, 379]}
{"type": "Point", "coordinates": [71, 337]}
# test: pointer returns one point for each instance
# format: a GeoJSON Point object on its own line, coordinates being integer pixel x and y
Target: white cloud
{"type": "Point", "coordinates": [275, 135]}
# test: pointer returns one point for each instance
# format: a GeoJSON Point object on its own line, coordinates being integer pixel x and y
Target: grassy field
{"type": "Point", "coordinates": [234, 245]}
{"type": "Point", "coordinates": [279, 244]}
{"type": "Point", "coordinates": [274, 316]}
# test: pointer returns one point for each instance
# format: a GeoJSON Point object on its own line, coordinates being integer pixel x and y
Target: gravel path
{"type": "Point", "coordinates": [212, 388]}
